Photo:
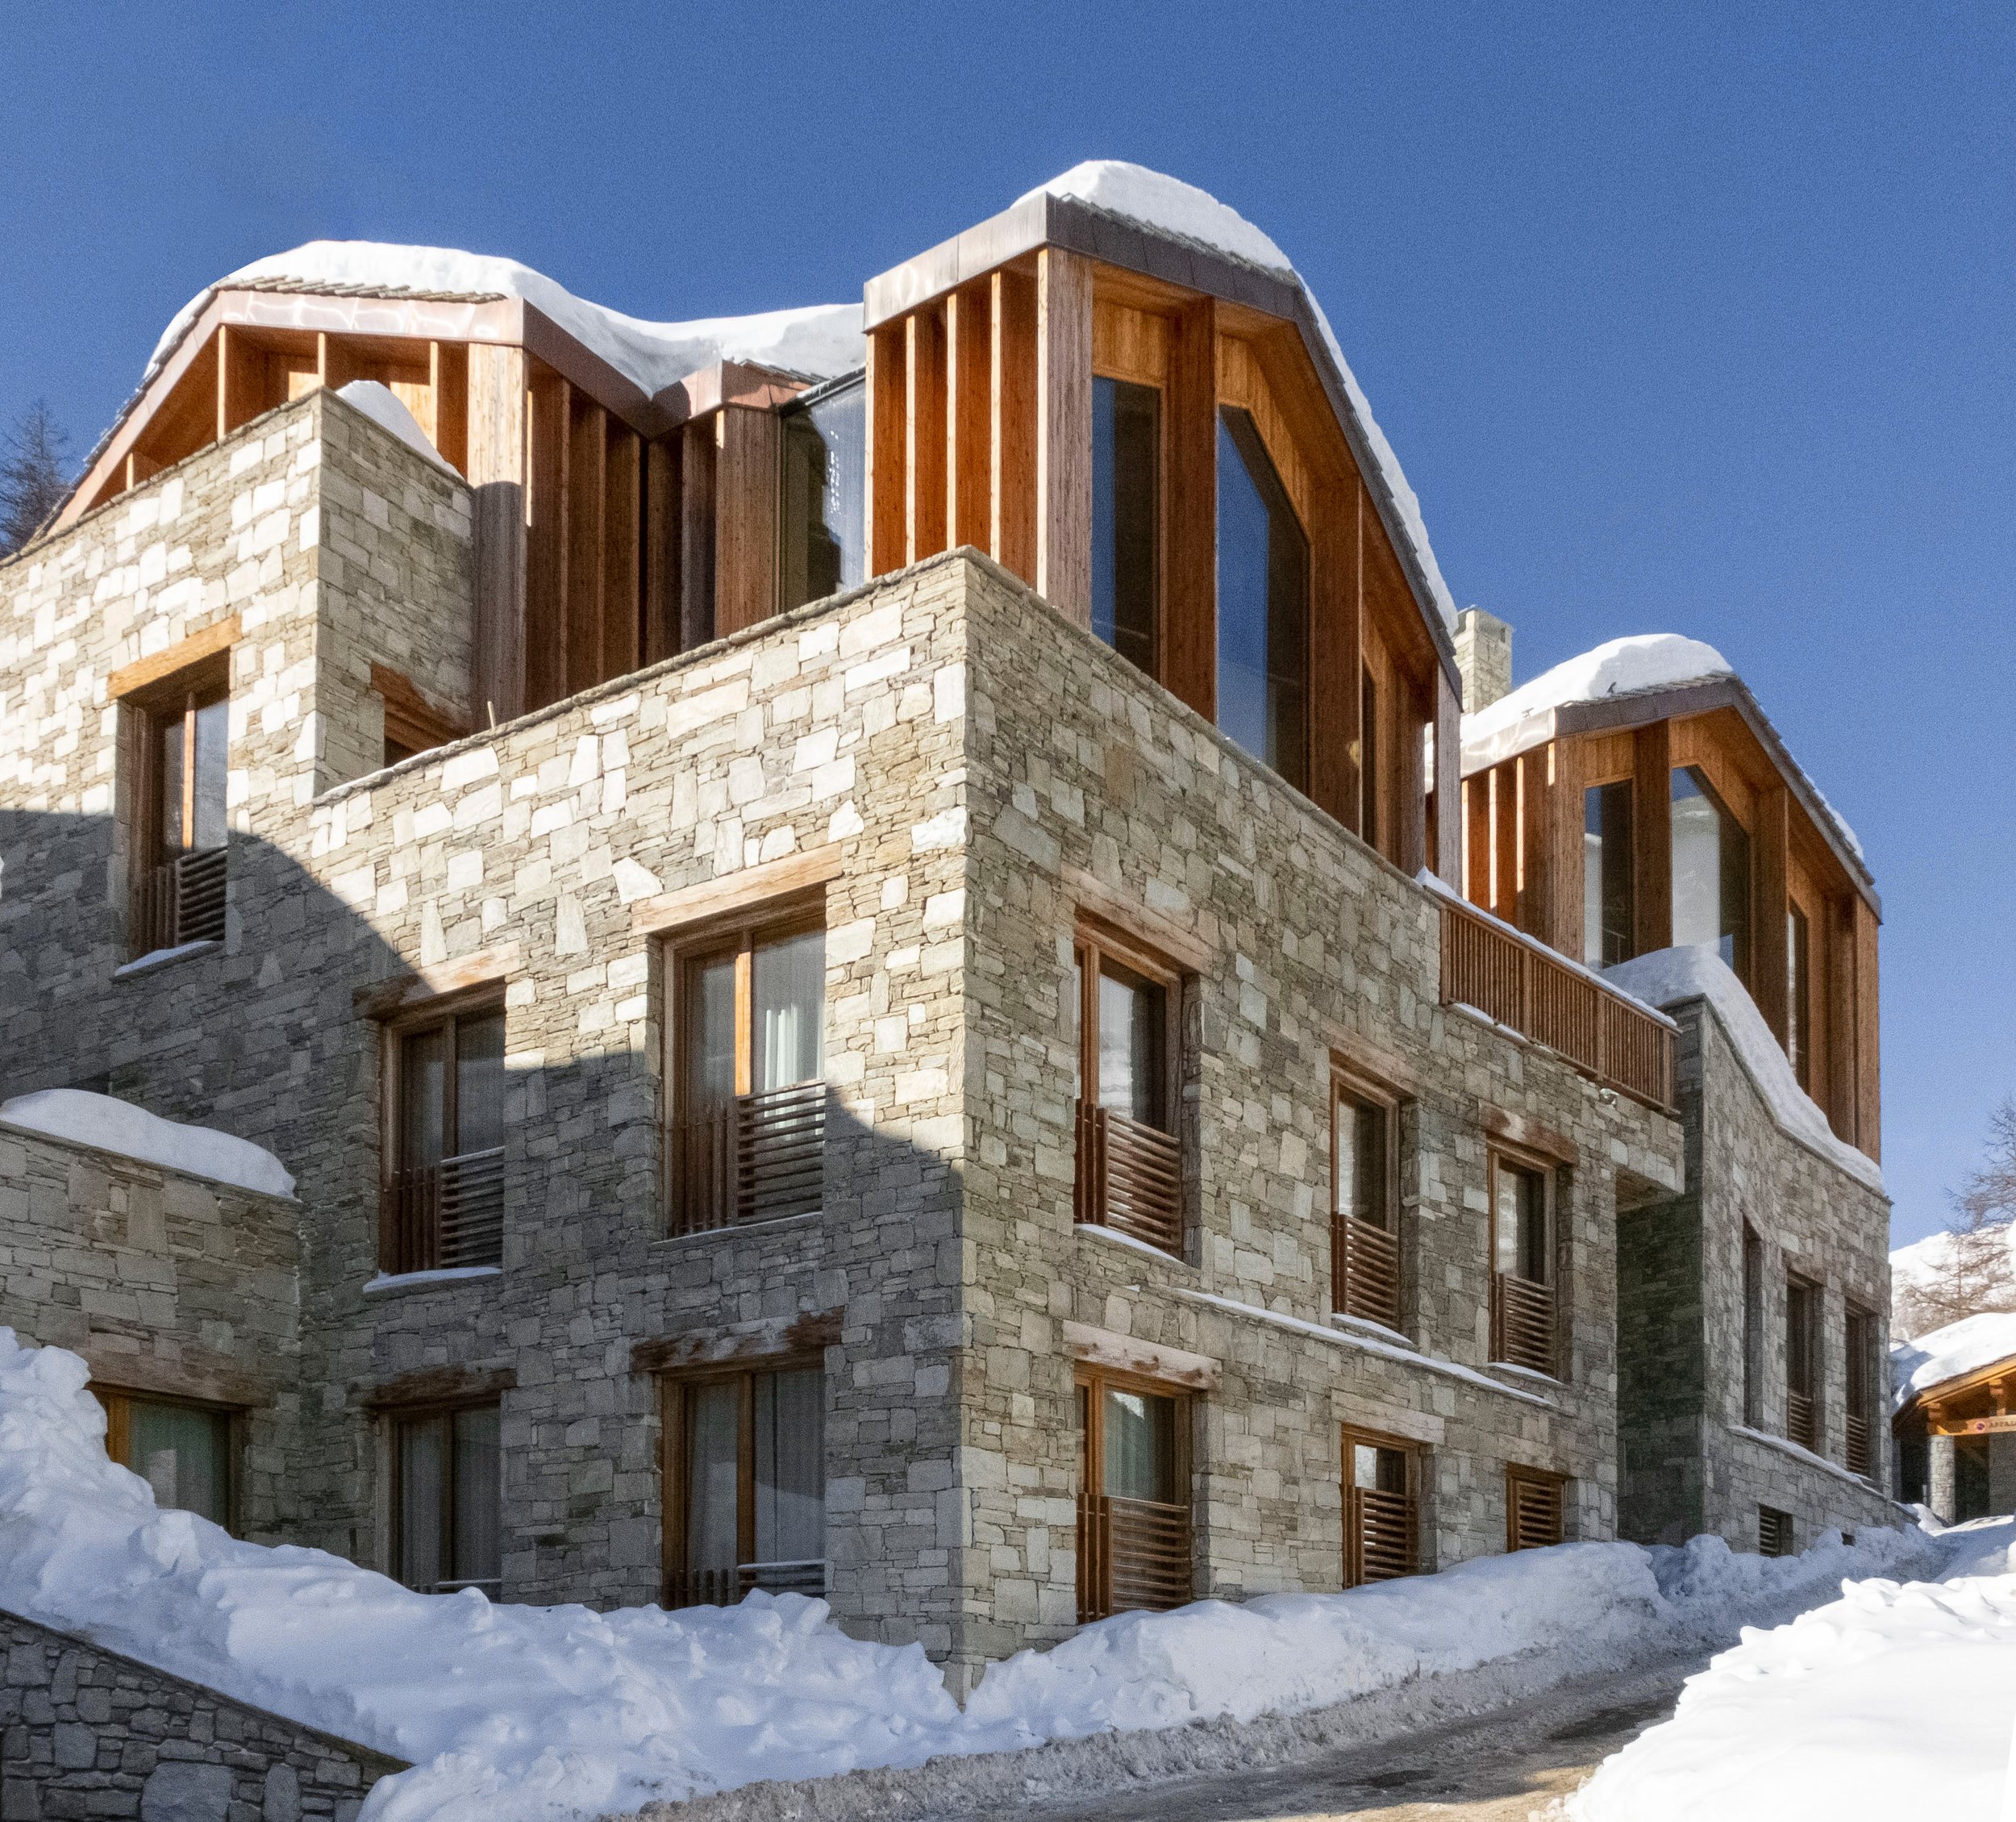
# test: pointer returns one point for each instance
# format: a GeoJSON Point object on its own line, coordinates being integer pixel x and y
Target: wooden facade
{"type": "Point", "coordinates": [1523, 852]}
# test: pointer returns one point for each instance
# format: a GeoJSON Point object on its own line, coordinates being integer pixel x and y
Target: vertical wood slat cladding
{"type": "Point", "coordinates": [1653, 841]}
{"type": "Point", "coordinates": [448, 380]}
{"type": "Point", "coordinates": [1011, 533]}
{"type": "Point", "coordinates": [1446, 844]}
{"type": "Point", "coordinates": [497, 437]}
{"type": "Point", "coordinates": [1189, 632]}
{"type": "Point", "coordinates": [546, 538]}
{"type": "Point", "coordinates": [1769, 841]}
{"type": "Point", "coordinates": [1063, 432]}
{"type": "Point", "coordinates": [746, 455]}
{"type": "Point", "coordinates": [1867, 1053]}
{"type": "Point", "coordinates": [1504, 842]}
{"type": "Point", "coordinates": [587, 483]}
{"type": "Point", "coordinates": [1536, 815]}
{"type": "Point", "coordinates": [662, 512]}
{"type": "Point", "coordinates": [697, 466]}
{"type": "Point", "coordinates": [924, 437]}
{"type": "Point", "coordinates": [968, 425]}
{"type": "Point", "coordinates": [622, 595]}
{"type": "Point", "coordinates": [1565, 849]}
{"type": "Point", "coordinates": [887, 463]}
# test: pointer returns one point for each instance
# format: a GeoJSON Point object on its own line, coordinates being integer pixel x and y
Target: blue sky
{"type": "Point", "coordinates": [1692, 318]}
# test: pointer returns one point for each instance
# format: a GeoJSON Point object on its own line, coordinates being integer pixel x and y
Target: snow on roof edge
{"type": "Point", "coordinates": [1951, 1352]}
{"type": "Point", "coordinates": [109, 1125]}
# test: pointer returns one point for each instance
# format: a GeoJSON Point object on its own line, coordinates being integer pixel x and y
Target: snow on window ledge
{"type": "Point", "coordinates": [1094, 1230]}
{"type": "Point", "coordinates": [738, 1229]}
{"type": "Point", "coordinates": [1786, 1446]}
{"type": "Point", "coordinates": [1528, 1372]}
{"type": "Point", "coordinates": [161, 958]}
{"type": "Point", "coordinates": [412, 1281]}
{"type": "Point", "coordinates": [1364, 1325]}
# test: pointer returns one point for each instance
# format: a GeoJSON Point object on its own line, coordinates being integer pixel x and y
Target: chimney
{"type": "Point", "coordinates": [1484, 658]}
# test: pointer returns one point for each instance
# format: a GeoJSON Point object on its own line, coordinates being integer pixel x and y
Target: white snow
{"type": "Point", "coordinates": [578, 1714]}
{"type": "Point", "coordinates": [820, 342]}
{"type": "Point", "coordinates": [1666, 976]}
{"type": "Point", "coordinates": [383, 406]}
{"type": "Point", "coordinates": [1894, 1702]}
{"type": "Point", "coordinates": [1951, 1353]}
{"type": "Point", "coordinates": [1631, 666]}
{"type": "Point", "coordinates": [113, 1125]}
{"type": "Point", "coordinates": [1170, 204]}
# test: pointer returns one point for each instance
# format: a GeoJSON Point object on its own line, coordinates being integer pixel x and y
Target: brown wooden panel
{"type": "Point", "coordinates": [241, 380]}
{"type": "Point", "coordinates": [923, 435]}
{"type": "Point", "coordinates": [888, 410]}
{"type": "Point", "coordinates": [1333, 655]}
{"type": "Point", "coordinates": [1769, 979]}
{"type": "Point", "coordinates": [1128, 342]}
{"type": "Point", "coordinates": [622, 606]}
{"type": "Point", "coordinates": [1564, 845]}
{"type": "Point", "coordinates": [1652, 837]}
{"type": "Point", "coordinates": [1868, 1087]}
{"type": "Point", "coordinates": [131, 680]}
{"type": "Point", "coordinates": [448, 380]}
{"type": "Point", "coordinates": [1011, 531]}
{"type": "Point", "coordinates": [1446, 837]}
{"type": "Point", "coordinates": [1188, 642]}
{"type": "Point", "coordinates": [550, 399]}
{"type": "Point", "coordinates": [968, 419]}
{"type": "Point", "coordinates": [1504, 842]}
{"type": "Point", "coordinates": [1476, 883]}
{"type": "Point", "coordinates": [661, 584]}
{"type": "Point", "coordinates": [1411, 715]}
{"type": "Point", "coordinates": [587, 489]}
{"type": "Point", "coordinates": [1063, 432]}
{"type": "Point", "coordinates": [498, 423]}
{"type": "Point", "coordinates": [745, 518]}
{"type": "Point", "coordinates": [1536, 813]}
{"type": "Point", "coordinates": [696, 463]}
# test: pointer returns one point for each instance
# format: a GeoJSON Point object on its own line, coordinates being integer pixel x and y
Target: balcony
{"type": "Point", "coordinates": [1365, 1271]}
{"type": "Point", "coordinates": [180, 901]}
{"type": "Point", "coordinates": [1522, 1323]}
{"type": "Point", "coordinates": [445, 1216]}
{"type": "Point", "coordinates": [1132, 1554]}
{"type": "Point", "coordinates": [1520, 983]}
{"type": "Point", "coordinates": [758, 1157]}
{"type": "Point", "coordinates": [1129, 1178]}
{"type": "Point", "coordinates": [1379, 1536]}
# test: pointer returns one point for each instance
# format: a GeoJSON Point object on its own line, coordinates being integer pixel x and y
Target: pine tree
{"type": "Point", "coordinates": [33, 482]}
{"type": "Point", "coordinates": [1975, 1270]}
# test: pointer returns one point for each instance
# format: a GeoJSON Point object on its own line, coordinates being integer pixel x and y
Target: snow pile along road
{"type": "Point", "coordinates": [1893, 1701]}
{"type": "Point", "coordinates": [526, 1714]}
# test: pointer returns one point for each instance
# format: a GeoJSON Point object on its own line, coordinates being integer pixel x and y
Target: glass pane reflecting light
{"type": "Point", "coordinates": [1140, 1446]}
{"type": "Point", "coordinates": [1711, 872]}
{"type": "Point", "coordinates": [1263, 605]}
{"type": "Point", "coordinates": [1126, 433]}
{"type": "Point", "coordinates": [788, 983]}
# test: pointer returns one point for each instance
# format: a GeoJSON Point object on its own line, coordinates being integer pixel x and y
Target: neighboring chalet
{"type": "Point", "coordinates": [1634, 810]}
{"type": "Point", "coordinates": [1955, 1418]}
{"type": "Point", "coordinates": [850, 925]}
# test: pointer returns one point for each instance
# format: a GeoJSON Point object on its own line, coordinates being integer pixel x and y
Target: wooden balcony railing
{"type": "Point", "coordinates": [1132, 1554]}
{"type": "Point", "coordinates": [1801, 1423]}
{"type": "Point", "coordinates": [1521, 983]}
{"type": "Point", "coordinates": [180, 901]}
{"type": "Point", "coordinates": [1365, 1270]}
{"type": "Point", "coordinates": [1522, 1322]}
{"type": "Point", "coordinates": [725, 1587]}
{"type": "Point", "coordinates": [440, 1217]}
{"type": "Point", "coordinates": [1859, 1459]}
{"type": "Point", "coordinates": [1379, 1536]}
{"type": "Point", "coordinates": [758, 1157]}
{"type": "Point", "coordinates": [1129, 1178]}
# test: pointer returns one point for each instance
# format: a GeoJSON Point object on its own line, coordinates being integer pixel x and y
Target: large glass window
{"type": "Point", "coordinates": [1134, 1500]}
{"type": "Point", "coordinates": [444, 1206]}
{"type": "Point", "coordinates": [749, 1485]}
{"type": "Point", "coordinates": [1711, 872]}
{"type": "Point", "coordinates": [448, 1495]}
{"type": "Point", "coordinates": [183, 1451]}
{"type": "Point", "coordinates": [1263, 604]}
{"type": "Point", "coordinates": [1125, 468]}
{"type": "Point", "coordinates": [825, 494]}
{"type": "Point", "coordinates": [1609, 900]}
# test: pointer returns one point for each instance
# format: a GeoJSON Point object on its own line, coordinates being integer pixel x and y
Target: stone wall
{"type": "Point", "coordinates": [164, 1283]}
{"type": "Point", "coordinates": [1691, 1463]}
{"type": "Point", "coordinates": [86, 1731]}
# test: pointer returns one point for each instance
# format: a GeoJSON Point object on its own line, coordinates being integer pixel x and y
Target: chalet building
{"type": "Point", "coordinates": [852, 925]}
{"type": "Point", "coordinates": [1955, 1418]}
{"type": "Point", "coordinates": [1634, 810]}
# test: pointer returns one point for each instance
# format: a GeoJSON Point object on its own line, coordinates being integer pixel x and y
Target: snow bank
{"type": "Point", "coordinates": [113, 1125]}
{"type": "Point", "coordinates": [818, 342]}
{"type": "Point", "coordinates": [1171, 207]}
{"type": "Point", "coordinates": [1631, 666]}
{"type": "Point", "coordinates": [1960, 1348]}
{"type": "Point", "coordinates": [382, 406]}
{"type": "Point", "coordinates": [1666, 976]}
{"type": "Point", "coordinates": [1893, 1701]}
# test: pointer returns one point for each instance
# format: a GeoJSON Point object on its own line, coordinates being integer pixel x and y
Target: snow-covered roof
{"type": "Point", "coordinates": [1951, 1352]}
{"type": "Point", "coordinates": [1666, 977]}
{"type": "Point", "coordinates": [1632, 666]}
{"type": "Point", "coordinates": [382, 406]}
{"type": "Point", "coordinates": [1169, 206]}
{"type": "Point", "coordinates": [113, 1125]}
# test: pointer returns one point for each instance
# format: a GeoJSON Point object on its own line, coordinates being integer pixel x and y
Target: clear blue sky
{"type": "Point", "coordinates": [1692, 318]}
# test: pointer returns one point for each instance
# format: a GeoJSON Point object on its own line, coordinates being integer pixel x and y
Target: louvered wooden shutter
{"type": "Point", "coordinates": [1532, 1512]}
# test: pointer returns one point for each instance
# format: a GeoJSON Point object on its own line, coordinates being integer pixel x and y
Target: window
{"type": "Point", "coordinates": [443, 1200]}
{"type": "Point", "coordinates": [746, 1481]}
{"type": "Point", "coordinates": [1711, 873]}
{"type": "Point", "coordinates": [184, 729]}
{"type": "Point", "coordinates": [181, 1449]}
{"type": "Point", "coordinates": [1753, 1328]}
{"type": "Point", "coordinates": [1860, 1412]}
{"type": "Point", "coordinates": [1126, 490]}
{"type": "Point", "coordinates": [1799, 995]}
{"type": "Point", "coordinates": [1129, 1174]}
{"type": "Point", "coordinates": [825, 492]}
{"type": "Point", "coordinates": [1610, 908]}
{"type": "Point", "coordinates": [1534, 1503]}
{"type": "Point", "coordinates": [1381, 1495]}
{"type": "Point", "coordinates": [1364, 1225]}
{"type": "Point", "coordinates": [1802, 1361]}
{"type": "Point", "coordinates": [447, 1493]}
{"type": "Point", "coordinates": [1522, 1298]}
{"type": "Point", "coordinates": [1263, 605]}
{"type": "Point", "coordinates": [1774, 1533]}
{"type": "Point", "coordinates": [1134, 1500]}
{"type": "Point", "coordinates": [749, 1133]}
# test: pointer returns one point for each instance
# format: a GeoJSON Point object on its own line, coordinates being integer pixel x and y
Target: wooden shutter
{"type": "Point", "coordinates": [1532, 1509]}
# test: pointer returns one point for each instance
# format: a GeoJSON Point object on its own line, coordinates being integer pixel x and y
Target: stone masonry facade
{"type": "Point", "coordinates": [955, 776]}
{"type": "Point", "coordinates": [85, 1732]}
{"type": "Point", "coordinates": [1691, 1462]}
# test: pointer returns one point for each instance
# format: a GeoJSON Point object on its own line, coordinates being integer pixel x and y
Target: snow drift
{"type": "Point", "coordinates": [113, 1125]}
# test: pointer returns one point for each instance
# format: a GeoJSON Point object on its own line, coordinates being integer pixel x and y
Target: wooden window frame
{"type": "Point", "coordinates": [118, 1401]}
{"type": "Point", "coordinates": [1356, 1437]}
{"type": "Point", "coordinates": [1860, 1375]}
{"type": "Point", "coordinates": [397, 1419]}
{"type": "Point", "coordinates": [411, 722]}
{"type": "Point", "coordinates": [442, 1013]}
{"type": "Point", "coordinates": [675, 1470]}
{"type": "Point", "coordinates": [1352, 1086]}
{"type": "Point", "coordinates": [1091, 1382]}
{"type": "Point", "coordinates": [1517, 1474]}
{"type": "Point", "coordinates": [1811, 1422]}
{"type": "Point", "coordinates": [148, 710]}
{"type": "Point", "coordinates": [1501, 1157]}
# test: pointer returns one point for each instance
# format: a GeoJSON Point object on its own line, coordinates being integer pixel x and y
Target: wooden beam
{"type": "Point", "coordinates": [1333, 651]}
{"type": "Point", "coordinates": [1536, 817]}
{"type": "Point", "coordinates": [696, 465]}
{"type": "Point", "coordinates": [240, 374]}
{"type": "Point", "coordinates": [888, 413]}
{"type": "Point", "coordinates": [496, 454]}
{"type": "Point", "coordinates": [1770, 987]}
{"type": "Point", "coordinates": [1011, 529]}
{"type": "Point", "coordinates": [1564, 848]}
{"type": "Point", "coordinates": [1063, 432]}
{"type": "Point", "coordinates": [661, 547]}
{"type": "Point", "coordinates": [923, 435]}
{"type": "Point", "coordinates": [1505, 841]}
{"type": "Point", "coordinates": [587, 499]}
{"type": "Point", "coordinates": [1447, 857]}
{"type": "Point", "coordinates": [747, 450]}
{"type": "Point", "coordinates": [130, 679]}
{"type": "Point", "coordinates": [622, 507]}
{"type": "Point", "coordinates": [969, 460]}
{"type": "Point", "coordinates": [1188, 647]}
{"type": "Point", "coordinates": [546, 538]}
{"type": "Point", "coordinates": [1869, 1051]}
{"type": "Point", "coordinates": [1653, 837]}
{"type": "Point", "coordinates": [1412, 715]}
{"type": "Point", "coordinates": [448, 380]}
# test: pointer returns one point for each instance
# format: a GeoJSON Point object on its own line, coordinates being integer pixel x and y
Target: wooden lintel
{"type": "Point", "coordinates": [129, 680]}
{"type": "Point", "coordinates": [807, 1333]}
{"type": "Point", "coordinates": [731, 893]}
